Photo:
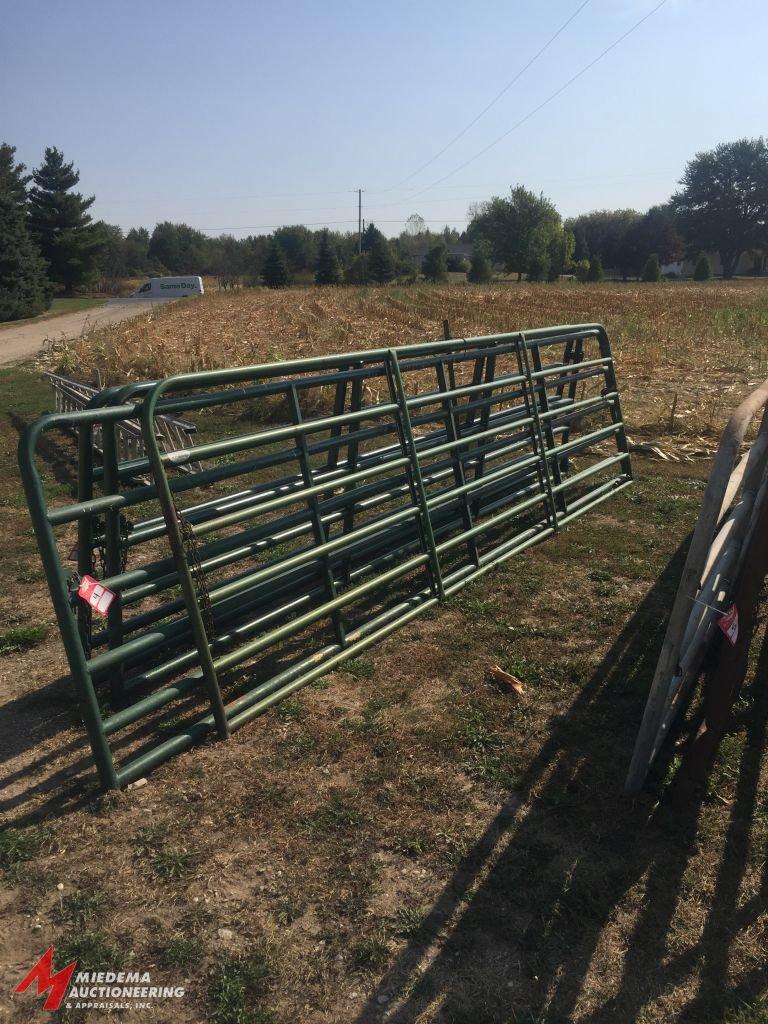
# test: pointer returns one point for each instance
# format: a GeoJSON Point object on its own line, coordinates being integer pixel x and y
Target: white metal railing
{"type": "Point", "coordinates": [173, 434]}
{"type": "Point", "coordinates": [733, 501]}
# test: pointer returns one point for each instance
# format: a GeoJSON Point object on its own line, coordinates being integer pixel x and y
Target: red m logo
{"type": "Point", "coordinates": [43, 974]}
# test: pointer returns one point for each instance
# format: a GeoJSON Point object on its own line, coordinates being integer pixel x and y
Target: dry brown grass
{"type": "Point", "coordinates": [706, 343]}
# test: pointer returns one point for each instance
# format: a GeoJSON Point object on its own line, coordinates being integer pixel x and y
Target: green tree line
{"type": "Point", "coordinates": [720, 207]}
{"type": "Point", "coordinates": [49, 243]}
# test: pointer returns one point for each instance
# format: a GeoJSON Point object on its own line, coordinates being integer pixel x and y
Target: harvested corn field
{"type": "Point", "coordinates": [704, 343]}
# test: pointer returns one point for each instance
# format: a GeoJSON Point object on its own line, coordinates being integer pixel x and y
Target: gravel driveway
{"type": "Point", "coordinates": [26, 340]}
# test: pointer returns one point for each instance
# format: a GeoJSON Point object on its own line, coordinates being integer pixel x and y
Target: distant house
{"type": "Point", "coordinates": [454, 250]}
{"type": "Point", "coordinates": [751, 264]}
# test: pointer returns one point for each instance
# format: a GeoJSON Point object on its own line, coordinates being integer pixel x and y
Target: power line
{"type": "Point", "coordinates": [494, 101]}
{"type": "Point", "coordinates": [544, 103]}
{"type": "Point", "coordinates": [326, 223]}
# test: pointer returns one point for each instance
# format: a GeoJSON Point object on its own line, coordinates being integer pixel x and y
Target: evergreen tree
{"type": "Point", "coordinates": [369, 235]}
{"type": "Point", "coordinates": [60, 224]}
{"type": "Point", "coordinates": [380, 265]}
{"type": "Point", "coordinates": [651, 271]}
{"type": "Point", "coordinates": [435, 265]}
{"type": "Point", "coordinates": [480, 269]}
{"type": "Point", "coordinates": [595, 272]}
{"type": "Point", "coordinates": [327, 265]}
{"type": "Point", "coordinates": [275, 271]}
{"type": "Point", "coordinates": [24, 288]}
{"type": "Point", "coordinates": [359, 271]}
{"type": "Point", "coordinates": [703, 269]}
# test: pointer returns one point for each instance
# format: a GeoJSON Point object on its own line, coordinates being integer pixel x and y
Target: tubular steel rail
{"type": "Point", "coordinates": [341, 497]}
{"type": "Point", "coordinates": [721, 541]}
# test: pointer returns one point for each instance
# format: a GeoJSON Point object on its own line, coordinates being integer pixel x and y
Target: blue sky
{"type": "Point", "coordinates": [239, 116]}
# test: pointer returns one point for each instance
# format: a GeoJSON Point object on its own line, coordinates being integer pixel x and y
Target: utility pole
{"type": "Point", "coordinates": [359, 220]}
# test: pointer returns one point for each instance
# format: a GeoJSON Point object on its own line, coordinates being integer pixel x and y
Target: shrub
{"type": "Point", "coordinates": [595, 271]}
{"type": "Point", "coordinates": [358, 271]}
{"type": "Point", "coordinates": [480, 269]}
{"type": "Point", "coordinates": [703, 269]}
{"type": "Point", "coordinates": [651, 271]}
{"type": "Point", "coordinates": [435, 265]}
{"type": "Point", "coordinates": [580, 270]}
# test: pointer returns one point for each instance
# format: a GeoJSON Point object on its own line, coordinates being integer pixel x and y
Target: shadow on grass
{"type": "Point", "coordinates": [57, 451]}
{"type": "Point", "coordinates": [524, 931]}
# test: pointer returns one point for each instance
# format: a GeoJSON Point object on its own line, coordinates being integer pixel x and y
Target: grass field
{"type": "Point", "coordinates": [58, 308]}
{"type": "Point", "coordinates": [404, 841]}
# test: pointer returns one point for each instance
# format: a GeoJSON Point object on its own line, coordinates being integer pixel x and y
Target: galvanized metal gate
{"type": "Point", "coordinates": [327, 502]}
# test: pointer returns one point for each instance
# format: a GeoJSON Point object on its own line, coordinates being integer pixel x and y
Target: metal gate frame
{"type": "Point", "coordinates": [332, 572]}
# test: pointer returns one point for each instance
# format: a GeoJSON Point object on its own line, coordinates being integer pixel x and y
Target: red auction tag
{"type": "Point", "coordinates": [729, 623]}
{"type": "Point", "coordinates": [96, 594]}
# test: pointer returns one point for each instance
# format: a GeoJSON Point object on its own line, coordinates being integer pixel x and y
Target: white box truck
{"type": "Point", "coordinates": [169, 288]}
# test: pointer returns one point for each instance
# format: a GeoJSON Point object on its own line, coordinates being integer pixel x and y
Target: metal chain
{"type": "Point", "coordinates": [100, 559]}
{"type": "Point", "coordinates": [198, 573]}
{"type": "Point", "coordinates": [125, 528]}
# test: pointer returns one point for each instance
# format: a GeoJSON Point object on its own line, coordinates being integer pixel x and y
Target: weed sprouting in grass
{"type": "Point", "coordinates": [454, 846]}
{"type": "Point", "coordinates": [183, 952]}
{"type": "Point", "coordinates": [21, 638]}
{"type": "Point", "coordinates": [335, 816]}
{"type": "Point", "coordinates": [477, 607]}
{"type": "Point", "coordinates": [287, 911]}
{"type": "Point", "coordinates": [172, 864]}
{"type": "Point", "coordinates": [29, 574]}
{"type": "Point", "coordinates": [93, 951]}
{"type": "Point", "coordinates": [372, 952]}
{"type": "Point", "coordinates": [20, 845]}
{"type": "Point", "coordinates": [291, 710]}
{"type": "Point", "coordinates": [77, 908]}
{"type": "Point", "coordinates": [360, 668]}
{"type": "Point", "coordinates": [237, 989]}
{"type": "Point", "coordinates": [485, 755]}
{"type": "Point", "coordinates": [407, 921]}
{"type": "Point", "coordinates": [167, 863]}
{"type": "Point", "coordinates": [149, 840]}
{"type": "Point", "coordinates": [296, 747]}
{"type": "Point", "coordinates": [412, 844]}
{"type": "Point", "coordinates": [753, 1012]}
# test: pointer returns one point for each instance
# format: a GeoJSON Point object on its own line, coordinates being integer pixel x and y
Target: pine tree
{"type": "Point", "coordinates": [60, 224]}
{"type": "Point", "coordinates": [595, 272]}
{"type": "Point", "coordinates": [24, 287]}
{"type": "Point", "coordinates": [369, 235]}
{"type": "Point", "coordinates": [651, 271]}
{"type": "Point", "coordinates": [703, 269]}
{"type": "Point", "coordinates": [480, 269]}
{"type": "Point", "coordinates": [275, 271]}
{"type": "Point", "coordinates": [435, 265]}
{"type": "Point", "coordinates": [380, 265]}
{"type": "Point", "coordinates": [327, 265]}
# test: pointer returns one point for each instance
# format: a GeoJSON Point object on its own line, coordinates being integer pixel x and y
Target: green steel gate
{"type": "Point", "coordinates": [327, 502]}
